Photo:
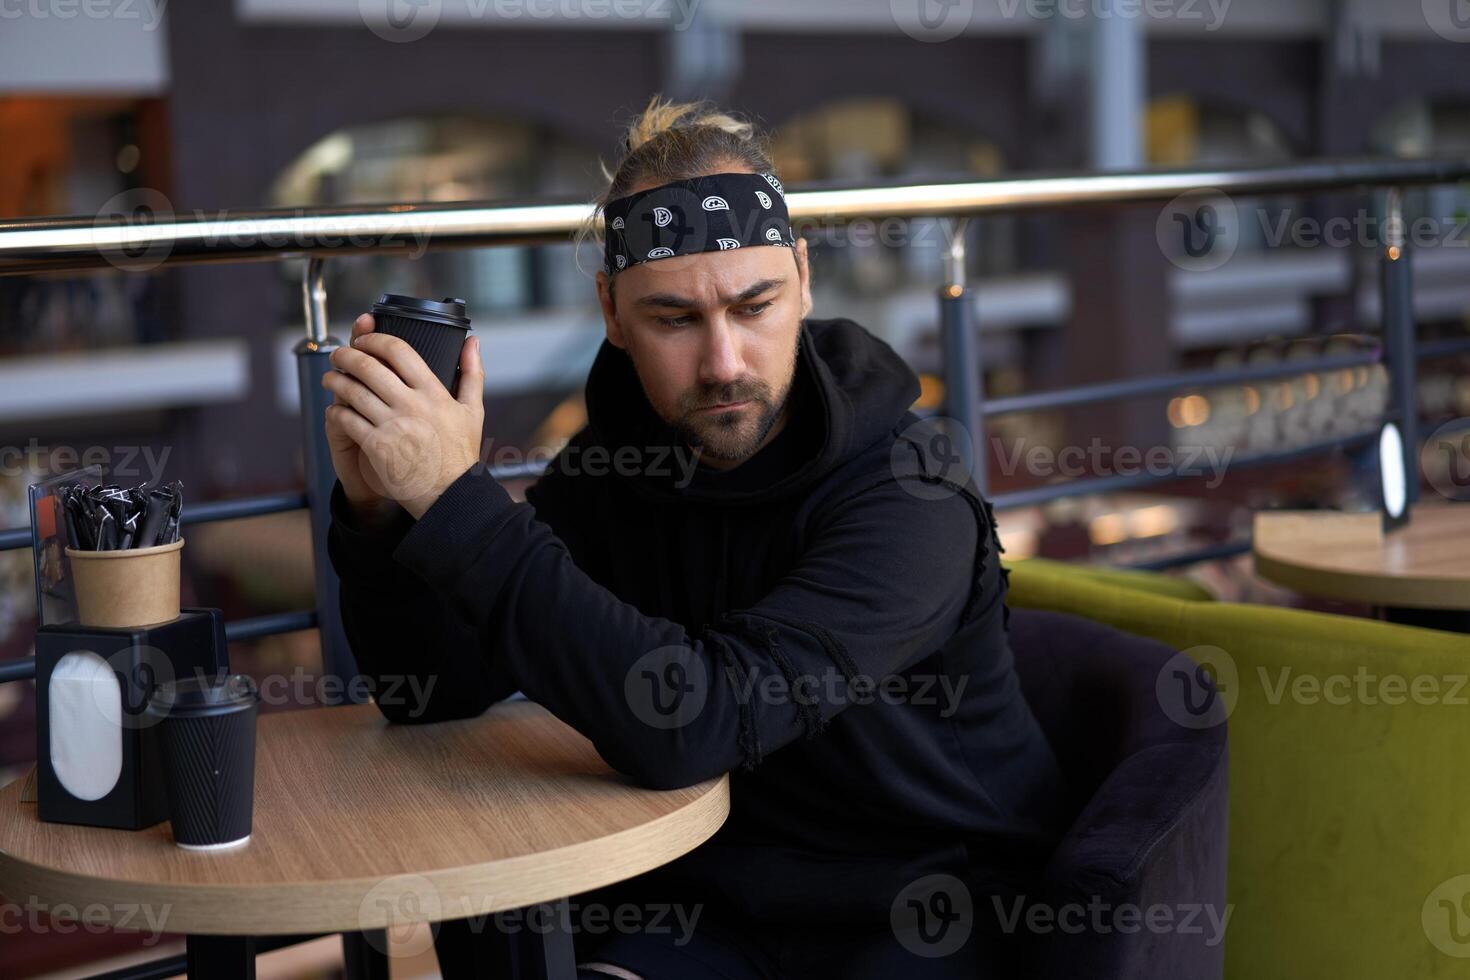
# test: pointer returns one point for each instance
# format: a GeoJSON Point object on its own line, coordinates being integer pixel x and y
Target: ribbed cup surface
{"type": "Point", "coordinates": [209, 763]}
{"type": "Point", "coordinates": [437, 343]}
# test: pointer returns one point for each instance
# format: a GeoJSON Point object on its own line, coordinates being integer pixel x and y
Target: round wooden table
{"type": "Point", "coordinates": [360, 825]}
{"type": "Point", "coordinates": [1418, 573]}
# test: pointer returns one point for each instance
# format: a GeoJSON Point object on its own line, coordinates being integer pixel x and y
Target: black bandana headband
{"type": "Point", "coordinates": [713, 213]}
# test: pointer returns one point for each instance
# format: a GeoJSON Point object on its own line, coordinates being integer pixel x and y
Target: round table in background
{"type": "Point", "coordinates": [1418, 573]}
{"type": "Point", "coordinates": [360, 825]}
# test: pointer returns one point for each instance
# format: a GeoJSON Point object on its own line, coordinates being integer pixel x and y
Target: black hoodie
{"type": "Point", "coordinates": [825, 621]}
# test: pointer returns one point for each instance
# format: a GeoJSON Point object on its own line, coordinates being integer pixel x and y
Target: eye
{"type": "Point", "coordinates": [758, 308]}
{"type": "Point", "coordinates": [672, 321]}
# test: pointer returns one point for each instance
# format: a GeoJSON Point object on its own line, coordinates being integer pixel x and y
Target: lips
{"type": "Point", "coordinates": [724, 407]}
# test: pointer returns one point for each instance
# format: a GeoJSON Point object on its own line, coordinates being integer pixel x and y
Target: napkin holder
{"type": "Point", "coordinates": [97, 761]}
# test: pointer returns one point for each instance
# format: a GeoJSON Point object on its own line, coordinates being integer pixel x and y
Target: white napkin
{"type": "Point", "coordinates": [86, 725]}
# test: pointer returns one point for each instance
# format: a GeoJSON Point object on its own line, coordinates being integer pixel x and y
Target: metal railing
{"type": "Point", "coordinates": [50, 245]}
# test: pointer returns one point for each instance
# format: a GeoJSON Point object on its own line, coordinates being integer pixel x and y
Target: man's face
{"type": "Point", "coordinates": [713, 338]}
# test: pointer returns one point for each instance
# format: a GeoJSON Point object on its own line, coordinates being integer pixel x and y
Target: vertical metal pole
{"type": "Point", "coordinates": [1119, 86]}
{"type": "Point", "coordinates": [1397, 295]}
{"type": "Point", "coordinates": [312, 361]}
{"type": "Point", "coordinates": [963, 388]}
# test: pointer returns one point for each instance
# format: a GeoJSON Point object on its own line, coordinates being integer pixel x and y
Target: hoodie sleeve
{"type": "Point", "coordinates": [884, 580]}
{"type": "Point", "coordinates": [420, 661]}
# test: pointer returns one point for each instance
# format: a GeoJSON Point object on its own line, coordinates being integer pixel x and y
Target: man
{"type": "Point", "coordinates": [816, 606]}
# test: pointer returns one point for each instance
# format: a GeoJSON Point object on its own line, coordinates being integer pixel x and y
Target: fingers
{"type": "Point", "coordinates": [347, 390]}
{"type": "Point", "coordinates": [337, 437]}
{"type": "Point", "coordinates": [363, 324]}
{"type": "Point", "coordinates": [379, 377]}
{"type": "Point", "coordinates": [471, 390]}
{"type": "Point", "coordinates": [403, 359]}
{"type": "Point", "coordinates": [347, 421]}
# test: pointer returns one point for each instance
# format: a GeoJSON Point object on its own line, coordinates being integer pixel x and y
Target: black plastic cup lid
{"type": "Point", "coordinates": [448, 311]}
{"type": "Point", "coordinates": [207, 695]}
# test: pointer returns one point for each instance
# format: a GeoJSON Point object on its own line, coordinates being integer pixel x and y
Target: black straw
{"type": "Point", "coordinates": [110, 518]}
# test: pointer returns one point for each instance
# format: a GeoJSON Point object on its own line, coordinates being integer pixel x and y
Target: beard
{"type": "Point", "coordinates": [732, 435]}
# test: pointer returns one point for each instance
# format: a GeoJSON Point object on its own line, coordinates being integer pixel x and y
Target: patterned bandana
{"type": "Point", "coordinates": [713, 213]}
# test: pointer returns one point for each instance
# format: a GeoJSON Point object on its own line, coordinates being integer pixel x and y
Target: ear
{"type": "Point", "coordinates": [803, 275]}
{"type": "Point", "coordinates": [609, 311]}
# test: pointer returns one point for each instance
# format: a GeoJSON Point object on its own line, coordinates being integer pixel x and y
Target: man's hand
{"type": "Point", "coordinates": [395, 432]}
{"type": "Point", "coordinates": [368, 506]}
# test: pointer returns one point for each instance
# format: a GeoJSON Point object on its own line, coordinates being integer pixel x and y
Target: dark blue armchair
{"type": "Point", "coordinates": [1150, 798]}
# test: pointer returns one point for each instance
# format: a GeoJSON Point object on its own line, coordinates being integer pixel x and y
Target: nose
{"type": "Point", "coordinates": [722, 362]}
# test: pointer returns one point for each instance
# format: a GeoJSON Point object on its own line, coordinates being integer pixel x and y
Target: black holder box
{"type": "Point", "coordinates": [138, 658]}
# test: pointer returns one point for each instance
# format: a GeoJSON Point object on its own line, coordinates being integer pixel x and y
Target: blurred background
{"type": "Point", "coordinates": [218, 107]}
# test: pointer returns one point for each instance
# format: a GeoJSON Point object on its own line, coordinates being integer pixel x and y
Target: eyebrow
{"type": "Point", "coordinates": [685, 303]}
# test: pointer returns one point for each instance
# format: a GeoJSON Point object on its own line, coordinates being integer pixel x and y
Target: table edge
{"type": "Point", "coordinates": [1325, 582]}
{"type": "Point", "coordinates": [289, 908]}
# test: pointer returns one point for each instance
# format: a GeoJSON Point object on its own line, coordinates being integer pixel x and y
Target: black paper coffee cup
{"type": "Point", "coordinates": [206, 743]}
{"type": "Point", "coordinates": [434, 328]}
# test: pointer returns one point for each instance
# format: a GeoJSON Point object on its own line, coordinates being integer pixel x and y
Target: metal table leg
{"type": "Point", "coordinates": [539, 947]}
{"type": "Point", "coordinates": [364, 955]}
{"type": "Point", "coordinates": [220, 957]}
{"type": "Point", "coordinates": [542, 949]}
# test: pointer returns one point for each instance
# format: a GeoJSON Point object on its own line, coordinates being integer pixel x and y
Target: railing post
{"type": "Point", "coordinates": [963, 384]}
{"type": "Point", "coordinates": [313, 355]}
{"type": "Point", "coordinates": [1396, 286]}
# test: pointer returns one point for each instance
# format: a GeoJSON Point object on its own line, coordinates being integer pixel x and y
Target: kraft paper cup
{"type": "Point", "coordinates": [129, 587]}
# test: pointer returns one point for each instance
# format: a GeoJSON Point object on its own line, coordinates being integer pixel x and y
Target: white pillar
{"type": "Point", "coordinates": [1118, 91]}
{"type": "Point", "coordinates": [702, 58]}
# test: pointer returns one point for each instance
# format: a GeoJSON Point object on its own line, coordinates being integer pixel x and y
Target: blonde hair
{"type": "Point", "coordinates": [671, 141]}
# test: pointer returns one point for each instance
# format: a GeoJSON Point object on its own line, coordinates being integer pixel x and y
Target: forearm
{"type": "Point", "coordinates": [420, 661]}
{"type": "Point", "coordinates": [661, 705]}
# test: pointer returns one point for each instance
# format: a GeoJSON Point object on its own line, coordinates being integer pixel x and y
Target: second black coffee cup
{"type": "Point", "coordinates": [206, 743]}
{"type": "Point", "coordinates": [434, 328]}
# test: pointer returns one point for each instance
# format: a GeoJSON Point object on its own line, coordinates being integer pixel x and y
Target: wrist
{"type": "Point", "coordinates": [371, 514]}
{"type": "Point", "coordinates": [418, 505]}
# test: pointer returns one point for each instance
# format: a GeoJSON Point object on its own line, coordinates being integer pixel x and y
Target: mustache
{"type": "Point", "coordinates": [735, 391]}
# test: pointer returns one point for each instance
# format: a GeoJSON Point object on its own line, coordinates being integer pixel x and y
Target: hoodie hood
{"type": "Point", "coordinates": [850, 390]}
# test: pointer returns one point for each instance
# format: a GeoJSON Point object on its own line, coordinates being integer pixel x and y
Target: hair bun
{"type": "Point", "coordinates": [662, 116]}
